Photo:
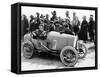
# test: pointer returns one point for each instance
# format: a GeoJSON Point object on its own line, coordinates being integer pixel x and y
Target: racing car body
{"type": "Point", "coordinates": [64, 45]}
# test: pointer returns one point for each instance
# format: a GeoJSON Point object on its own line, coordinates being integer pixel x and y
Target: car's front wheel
{"type": "Point", "coordinates": [69, 56]}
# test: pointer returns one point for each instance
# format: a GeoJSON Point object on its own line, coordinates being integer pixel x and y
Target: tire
{"type": "Point", "coordinates": [28, 50]}
{"type": "Point", "coordinates": [82, 51]}
{"type": "Point", "coordinates": [69, 56]}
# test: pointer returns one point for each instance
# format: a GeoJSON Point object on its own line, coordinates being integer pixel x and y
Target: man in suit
{"type": "Point", "coordinates": [91, 28]}
{"type": "Point", "coordinates": [75, 24]}
{"type": "Point", "coordinates": [67, 20]}
{"type": "Point", "coordinates": [54, 16]}
{"type": "Point", "coordinates": [24, 25]}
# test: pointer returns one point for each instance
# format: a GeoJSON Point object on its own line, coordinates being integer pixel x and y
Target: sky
{"type": "Point", "coordinates": [29, 10]}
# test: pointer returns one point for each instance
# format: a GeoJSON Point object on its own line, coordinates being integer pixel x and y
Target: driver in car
{"type": "Point", "coordinates": [40, 33]}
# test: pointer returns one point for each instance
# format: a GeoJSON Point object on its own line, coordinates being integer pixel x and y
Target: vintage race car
{"type": "Point", "coordinates": [66, 46]}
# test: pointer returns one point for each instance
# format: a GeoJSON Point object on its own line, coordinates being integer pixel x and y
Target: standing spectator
{"type": "Point", "coordinates": [31, 18]}
{"type": "Point", "coordinates": [37, 20]}
{"type": "Point", "coordinates": [30, 23]}
{"type": "Point", "coordinates": [67, 17]}
{"type": "Point", "coordinates": [58, 26]}
{"type": "Point", "coordinates": [33, 24]}
{"type": "Point", "coordinates": [42, 17]}
{"type": "Point", "coordinates": [54, 17]}
{"type": "Point", "coordinates": [25, 25]}
{"type": "Point", "coordinates": [47, 19]}
{"type": "Point", "coordinates": [83, 31]}
{"type": "Point", "coordinates": [91, 28]}
{"type": "Point", "coordinates": [75, 24]}
{"type": "Point", "coordinates": [67, 20]}
{"type": "Point", "coordinates": [47, 23]}
{"type": "Point", "coordinates": [52, 26]}
{"type": "Point", "coordinates": [66, 29]}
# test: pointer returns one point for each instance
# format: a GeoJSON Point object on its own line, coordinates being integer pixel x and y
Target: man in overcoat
{"type": "Point", "coordinates": [91, 28]}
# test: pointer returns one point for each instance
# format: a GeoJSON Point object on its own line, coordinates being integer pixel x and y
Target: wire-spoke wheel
{"type": "Point", "coordinates": [82, 50]}
{"type": "Point", "coordinates": [69, 56]}
{"type": "Point", "coordinates": [28, 50]}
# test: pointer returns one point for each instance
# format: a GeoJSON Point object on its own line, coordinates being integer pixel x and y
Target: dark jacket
{"type": "Point", "coordinates": [33, 26]}
{"type": "Point", "coordinates": [83, 31]}
{"type": "Point", "coordinates": [91, 25]}
{"type": "Point", "coordinates": [25, 26]}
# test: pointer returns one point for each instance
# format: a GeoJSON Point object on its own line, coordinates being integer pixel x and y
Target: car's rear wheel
{"type": "Point", "coordinates": [82, 50]}
{"type": "Point", "coordinates": [28, 50]}
{"type": "Point", "coordinates": [69, 56]}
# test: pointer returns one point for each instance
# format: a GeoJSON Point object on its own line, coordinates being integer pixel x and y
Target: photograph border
{"type": "Point", "coordinates": [18, 35]}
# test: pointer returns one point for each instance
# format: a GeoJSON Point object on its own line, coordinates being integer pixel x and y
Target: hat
{"type": "Point", "coordinates": [37, 12]}
{"type": "Point", "coordinates": [67, 12]}
{"type": "Point", "coordinates": [91, 15]}
{"type": "Point", "coordinates": [74, 13]}
{"type": "Point", "coordinates": [42, 16]}
{"type": "Point", "coordinates": [31, 16]}
{"type": "Point", "coordinates": [54, 12]}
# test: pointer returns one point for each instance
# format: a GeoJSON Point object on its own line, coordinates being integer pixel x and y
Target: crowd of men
{"type": "Point", "coordinates": [84, 30]}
